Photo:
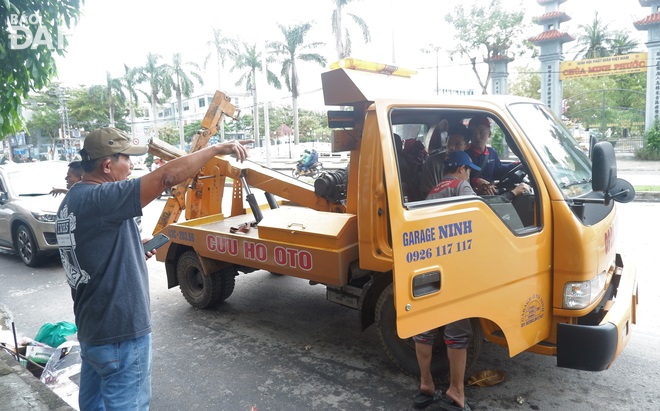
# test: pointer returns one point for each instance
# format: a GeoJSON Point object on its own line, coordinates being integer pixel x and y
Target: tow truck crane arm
{"type": "Point", "coordinates": [188, 195]}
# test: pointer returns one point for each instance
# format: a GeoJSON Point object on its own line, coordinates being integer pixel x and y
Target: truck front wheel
{"type": "Point", "coordinates": [203, 291]}
{"type": "Point", "coordinates": [402, 351]}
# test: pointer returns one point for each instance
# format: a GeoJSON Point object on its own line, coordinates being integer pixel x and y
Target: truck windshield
{"type": "Point", "coordinates": [568, 164]}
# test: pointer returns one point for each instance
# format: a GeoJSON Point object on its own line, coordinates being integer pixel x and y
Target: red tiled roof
{"type": "Point", "coordinates": [498, 57]}
{"type": "Point", "coordinates": [651, 20]}
{"type": "Point", "coordinates": [551, 1]}
{"type": "Point", "coordinates": [553, 15]}
{"type": "Point", "coordinates": [552, 35]}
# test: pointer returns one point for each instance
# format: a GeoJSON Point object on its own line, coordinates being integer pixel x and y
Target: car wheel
{"type": "Point", "coordinates": [26, 246]}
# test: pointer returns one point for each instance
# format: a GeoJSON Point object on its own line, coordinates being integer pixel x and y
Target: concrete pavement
{"type": "Point", "coordinates": [20, 390]}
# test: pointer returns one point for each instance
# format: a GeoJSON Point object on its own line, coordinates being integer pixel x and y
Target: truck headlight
{"type": "Point", "coordinates": [579, 295]}
{"type": "Point", "coordinates": [44, 217]}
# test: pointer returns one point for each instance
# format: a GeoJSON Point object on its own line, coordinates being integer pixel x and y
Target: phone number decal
{"type": "Point", "coordinates": [431, 236]}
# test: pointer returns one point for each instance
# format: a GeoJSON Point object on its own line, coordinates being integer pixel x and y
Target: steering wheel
{"type": "Point", "coordinates": [511, 178]}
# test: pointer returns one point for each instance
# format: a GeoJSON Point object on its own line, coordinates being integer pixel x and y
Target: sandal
{"type": "Point", "coordinates": [422, 400]}
{"type": "Point", "coordinates": [448, 404]}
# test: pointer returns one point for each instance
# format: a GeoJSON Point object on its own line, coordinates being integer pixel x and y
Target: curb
{"type": "Point", "coordinates": [647, 196]}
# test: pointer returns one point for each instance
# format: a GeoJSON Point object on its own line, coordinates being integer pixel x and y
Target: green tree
{"type": "Point", "coordinates": [622, 43]}
{"type": "Point", "coordinates": [114, 93]}
{"type": "Point", "coordinates": [594, 39]}
{"type": "Point", "coordinates": [249, 59]}
{"type": "Point", "coordinates": [178, 78]}
{"type": "Point", "coordinates": [132, 77]}
{"type": "Point", "coordinates": [651, 149]}
{"type": "Point", "coordinates": [292, 49]}
{"type": "Point", "coordinates": [45, 120]}
{"type": "Point", "coordinates": [222, 47]}
{"type": "Point", "coordinates": [487, 28]}
{"type": "Point", "coordinates": [88, 108]}
{"type": "Point", "coordinates": [154, 74]}
{"type": "Point", "coordinates": [342, 35]}
{"type": "Point", "coordinates": [527, 83]}
{"type": "Point", "coordinates": [24, 69]}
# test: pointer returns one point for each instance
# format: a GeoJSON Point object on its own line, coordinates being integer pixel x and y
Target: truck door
{"type": "Point", "coordinates": [467, 256]}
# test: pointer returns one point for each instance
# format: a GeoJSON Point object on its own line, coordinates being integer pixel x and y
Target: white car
{"type": "Point", "coordinates": [28, 210]}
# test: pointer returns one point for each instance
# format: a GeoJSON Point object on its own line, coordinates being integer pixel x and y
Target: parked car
{"type": "Point", "coordinates": [28, 210]}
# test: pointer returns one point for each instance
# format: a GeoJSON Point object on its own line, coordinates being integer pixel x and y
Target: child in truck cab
{"type": "Point", "coordinates": [458, 139]}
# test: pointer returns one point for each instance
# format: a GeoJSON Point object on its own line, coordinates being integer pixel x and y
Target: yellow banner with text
{"type": "Point", "coordinates": [604, 66]}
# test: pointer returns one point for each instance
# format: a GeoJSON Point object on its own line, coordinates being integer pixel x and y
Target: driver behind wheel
{"type": "Point", "coordinates": [484, 157]}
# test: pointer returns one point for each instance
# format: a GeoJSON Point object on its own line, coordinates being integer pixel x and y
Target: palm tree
{"type": "Point", "coordinates": [595, 40]}
{"type": "Point", "coordinates": [250, 59]}
{"type": "Point", "coordinates": [222, 47]}
{"type": "Point", "coordinates": [622, 43]}
{"type": "Point", "coordinates": [153, 73]}
{"type": "Point", "coordinates": [291, 50]}
{"type": "Point", "coordinates": [178, 79]}
{"type": "Point", "coordinates": [132, 77]}
{"type": "Point", "coordinates": [342, 36]}
{"type": "Point", "coordinates": [114, 94]}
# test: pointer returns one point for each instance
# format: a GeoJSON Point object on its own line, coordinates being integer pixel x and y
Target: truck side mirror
{"type": "Point", "coordinates": [603, 167]}
{"type": "Point", "coordinates": [603, 175]}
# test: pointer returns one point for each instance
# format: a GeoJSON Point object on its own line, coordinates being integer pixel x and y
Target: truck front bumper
{"type": "Point", "coordinates": [594, 347]}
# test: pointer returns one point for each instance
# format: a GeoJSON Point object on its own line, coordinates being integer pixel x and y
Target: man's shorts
{"type": "Point", "coordinates": [457, 335]}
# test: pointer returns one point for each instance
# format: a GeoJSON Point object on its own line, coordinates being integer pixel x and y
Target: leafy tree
{"type": "Point", "coordinates": [651, 150]}
{"type": "Point", "coordinates": [88, 109]}
{"type": "Point", "coordinates": [178, 79]}
{"type": "Point", "coordinates": [45, 120]}
{"type": "Point", "coordinates": [223, 47]}
{"type": "Point", "coordinates": [594, 40]}
{"type": "Point", "coordinates": [342, 35]}
{"type": "Point", "coordinates": [526, 84]}
{"type": "Point", "coordinates": [292, 49]}
{"type": "Point", "coordinates": [153, 73]}
{"type": "Point", "coordinates": [622, 43]}
{"type": "Point", "coordinates": [169, 134]}
{"type": "Point", "coordinates": [249, 59]}
{"type": "Point", "coordinates": [487, 28]}
{"type": "Point", "coordinates": [132, 77]}
{"type": "Point", "coordinates": [30, 68]}
{"type": "Point", "coordinates": [114, 94]}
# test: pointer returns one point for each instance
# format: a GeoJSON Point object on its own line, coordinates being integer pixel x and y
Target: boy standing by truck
{"type": "Point", "coordinates": [457, 334]}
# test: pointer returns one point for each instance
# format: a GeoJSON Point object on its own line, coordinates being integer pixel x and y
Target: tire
{"type": "Point", "coordinates": [203, 291]}
{"type": "Point", "coordinates": [402, 351]}
{"type": "Point", "coordinates": [318, 170]}
{"type": "Point", "coordinates": [295, 173]}
{"type": "Point", "coordinates": [26, 246]}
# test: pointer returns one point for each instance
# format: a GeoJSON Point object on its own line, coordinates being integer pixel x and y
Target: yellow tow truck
{"type": "Point", "coordinates": [540, 273]}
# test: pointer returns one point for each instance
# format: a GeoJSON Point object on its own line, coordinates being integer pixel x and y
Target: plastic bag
{"type": "Point", "coordinates": [62, 372]}
{"type": "Point", "coordinates": [55, 334]}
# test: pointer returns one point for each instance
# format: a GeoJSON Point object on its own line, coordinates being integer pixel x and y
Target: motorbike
{"type": "Point", "coordinates": [314, 171]}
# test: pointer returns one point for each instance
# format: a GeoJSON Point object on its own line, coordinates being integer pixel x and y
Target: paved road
{"type": "Point", "coordinates": [279, 345]}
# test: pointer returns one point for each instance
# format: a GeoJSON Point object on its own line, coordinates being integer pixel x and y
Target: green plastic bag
{"type": "Point", "coordinates": [55, 334]}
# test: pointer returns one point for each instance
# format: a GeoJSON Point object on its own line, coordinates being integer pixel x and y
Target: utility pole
{"type": "Point", "coordinates": [432, 48]}
{"type": "Point", "coordinates": [65, 134]}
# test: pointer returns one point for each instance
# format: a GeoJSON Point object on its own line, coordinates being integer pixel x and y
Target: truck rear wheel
{"type": "Point", "coordinates": [203, 291]}
{"type": "Point", "coordinates": [402, 351]}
